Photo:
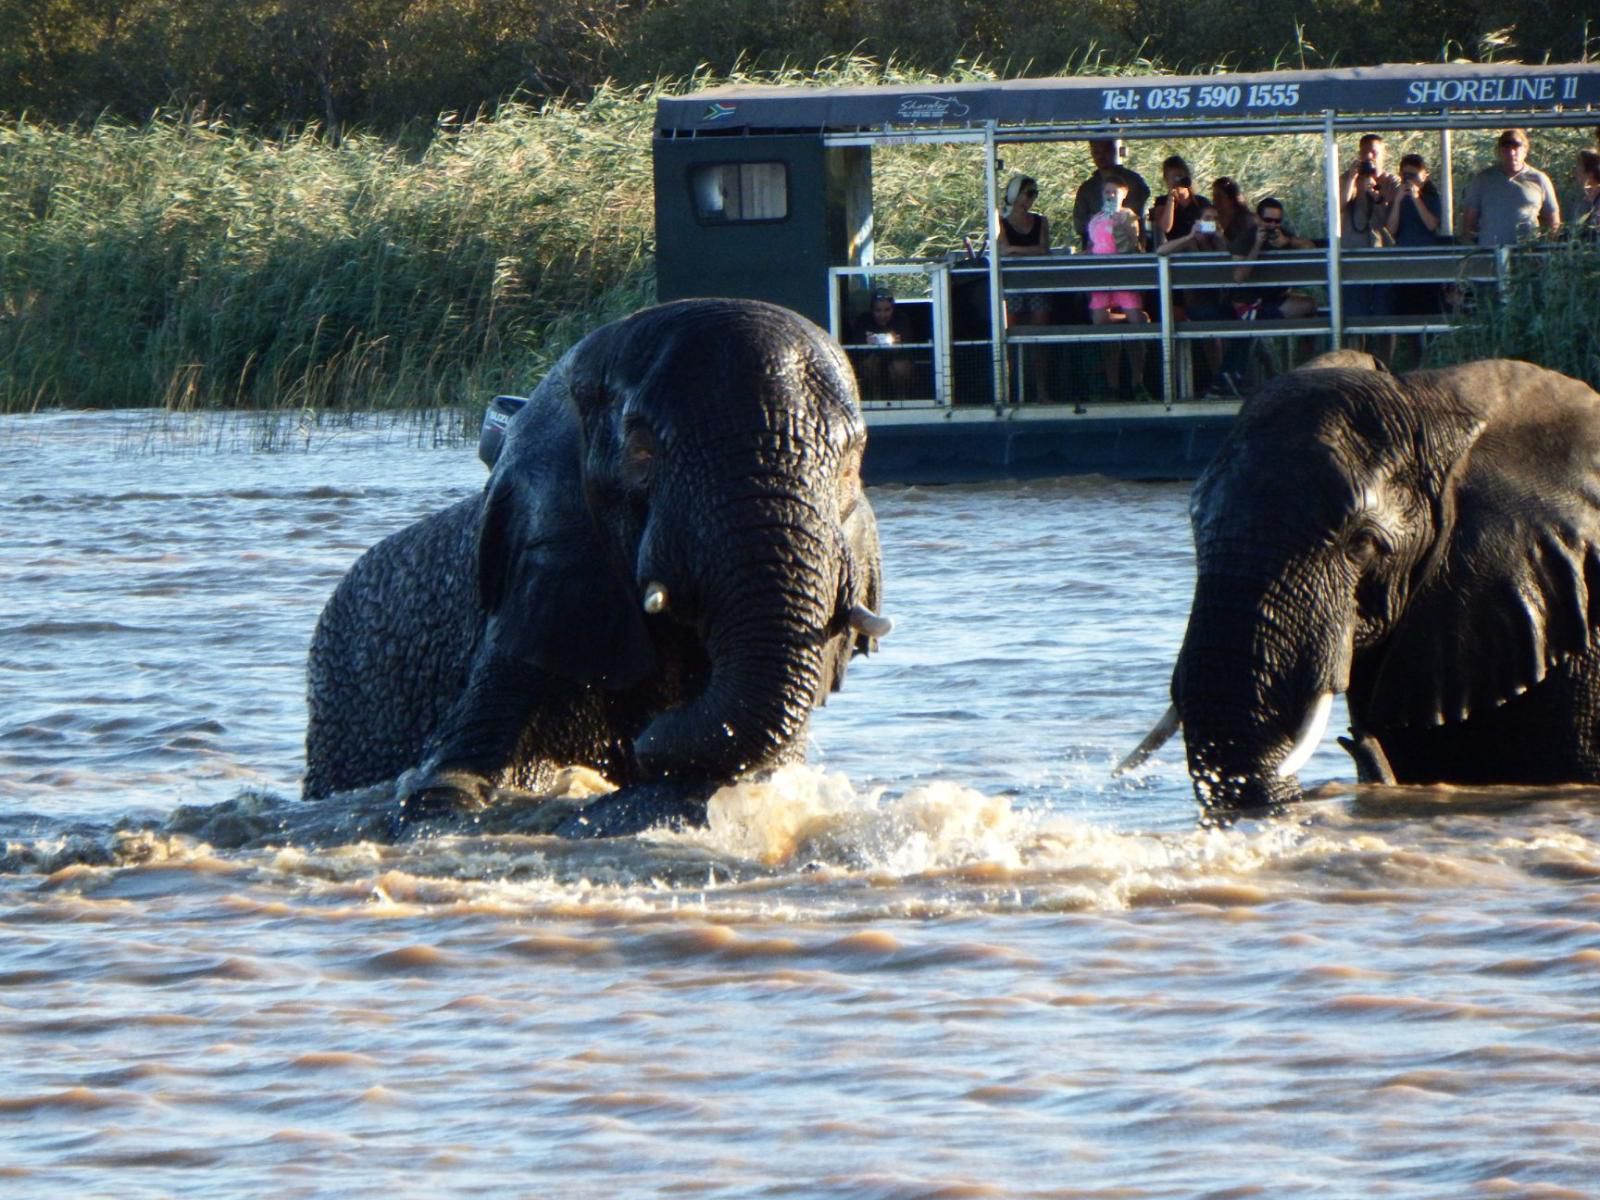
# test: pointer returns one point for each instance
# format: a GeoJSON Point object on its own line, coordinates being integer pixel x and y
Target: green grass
{"type": "Point", "coordinates": [191, 266]}
{"type": "Point", "coordinates": [188, 265]}
{"type": "Point", "coordinates": [1549, 314]}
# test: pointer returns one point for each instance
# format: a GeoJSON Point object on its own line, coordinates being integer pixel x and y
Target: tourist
{"type": "Point", "coordinates": [1204, 304]}
{"type": "Point", "coordinates": [1175, 213]}
{"type": "Point", "coordinates": [1366, 195]}
{"type": "Point", "coordinates": [1025, 233]}
{"type": "Point", "coordinates": [1115, 230]}
{"type": "Point", "coordinates": [1587, 174]}
{"type": "Point", "coordinates": [1509, 201]}
{"type": "Point", "coordinates": [884, 374]}
{"type": "Point", "coordinates": [1107, 156]}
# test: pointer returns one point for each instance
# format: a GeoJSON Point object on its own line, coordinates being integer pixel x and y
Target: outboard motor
{"type": "Point", "coordinates": [495, 419]}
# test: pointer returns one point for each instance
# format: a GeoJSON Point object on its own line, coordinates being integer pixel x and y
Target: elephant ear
{"type": "Point", "coordinates": [1513, 589]}
{"type": "Point", "coordinates": [554, 592]}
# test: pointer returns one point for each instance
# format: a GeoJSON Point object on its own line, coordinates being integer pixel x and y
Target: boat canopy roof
{"type": "Point", "coordinates": [1393, 96]}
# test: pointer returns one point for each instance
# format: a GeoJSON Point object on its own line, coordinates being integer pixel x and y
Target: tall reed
{"type": "Point", "coordinates": [190, 265]}
{"type": "Point", "coordinates": [1549, 313]}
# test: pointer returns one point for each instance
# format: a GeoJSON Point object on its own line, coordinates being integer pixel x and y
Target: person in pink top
{"type": "Point", "coordinates": [1115, 230]}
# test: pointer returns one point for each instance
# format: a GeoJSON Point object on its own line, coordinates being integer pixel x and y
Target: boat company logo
{"type": "Point", "coordinates": [718, 112]}
{"type": "Point", "coordinates": [1492, 91]}
{"type": "Point", "coordinates": [931, 108]}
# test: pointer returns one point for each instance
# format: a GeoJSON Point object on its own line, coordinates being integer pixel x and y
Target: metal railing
{"type": "Point", "coordinates": [1165, 275]}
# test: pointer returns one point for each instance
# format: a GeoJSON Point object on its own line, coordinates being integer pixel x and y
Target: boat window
{"type": "Point", "coordinates": [752, 191]}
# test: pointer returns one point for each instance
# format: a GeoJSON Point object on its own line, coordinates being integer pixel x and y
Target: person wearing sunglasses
{"type": "Point", "coordinates": [1276, 302]}
{"type": "Point", "coordinates": [1509, 201]}
{"type": "Point", "coordinates": [1025, 232]}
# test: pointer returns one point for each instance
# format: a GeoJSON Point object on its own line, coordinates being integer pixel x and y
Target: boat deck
{"type": "Point", "coordinates": [1150, 441]}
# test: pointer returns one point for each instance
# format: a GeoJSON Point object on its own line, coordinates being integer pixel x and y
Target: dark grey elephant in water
{"type": "Point", "coordinates": [1428, 545]}
{"type": "Point", "coordinates": [671, 564]}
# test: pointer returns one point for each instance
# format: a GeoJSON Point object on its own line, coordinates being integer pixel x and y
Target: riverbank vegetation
{"type": "Point", "coordinates": [188, 263]}
{"type": "Point", "coordinates": [274, 65]}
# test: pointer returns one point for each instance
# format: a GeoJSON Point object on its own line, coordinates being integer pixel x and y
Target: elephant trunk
{"type": "Point", "coordinates": [765, 627]}
{"type": "Point", "coordinates": [1254, 694]}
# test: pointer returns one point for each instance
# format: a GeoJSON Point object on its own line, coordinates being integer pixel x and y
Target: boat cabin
{"type": "Point", "coordinates": [767, 193]}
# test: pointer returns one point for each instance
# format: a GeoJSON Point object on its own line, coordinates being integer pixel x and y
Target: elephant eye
{"type": "Point", "coordinates": [1366, 544]}
{"type": "Point", "coordinates": [849, 489]}
{"type": "Point", "coordinates": [640, 450]}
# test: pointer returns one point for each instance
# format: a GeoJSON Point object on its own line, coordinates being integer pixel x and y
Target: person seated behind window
{"type": "Point", "coordinates": [1202, 304]}
{"type": "Point", "coordinates": [883, 374]}
{"type": "Point", "coordinates": [1023, 231]}
{"type": "Point", "coordinates": [1271, 303]}
{"type": "Point", "coordinates": [1268, 303]}
{"type": "Point", "coordinates": [1115, 230]}
{"type": "Point", "coordinates": [1175, 213]}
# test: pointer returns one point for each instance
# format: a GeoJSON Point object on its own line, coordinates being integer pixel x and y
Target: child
{"type": "Point", "coordinates": [1115, 230]}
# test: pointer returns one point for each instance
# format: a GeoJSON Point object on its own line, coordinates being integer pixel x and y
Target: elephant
{"type": "Point", "coordinates": [670, 565]}
{"type": "Point", "coordinates": [1426, 544]}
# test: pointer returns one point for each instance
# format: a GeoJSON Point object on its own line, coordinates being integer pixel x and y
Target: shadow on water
{"type": "Point", "coordinates": [1420, 802]}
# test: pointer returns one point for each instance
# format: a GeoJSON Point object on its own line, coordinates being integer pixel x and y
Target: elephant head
{"type": "Point", "coordinates": [677, 517]}
{"type": "Point", "coordinates": [1429, 545]}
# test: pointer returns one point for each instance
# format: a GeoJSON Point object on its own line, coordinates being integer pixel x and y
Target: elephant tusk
{"type": "Point", "coordinates": [1153, 741]}
{"type": "Point", "coordinates": [863, 620]}
{"type": "Point", "coordinates": [655, 598]}
{"type": "Point", "coordinates": [1310, 733]}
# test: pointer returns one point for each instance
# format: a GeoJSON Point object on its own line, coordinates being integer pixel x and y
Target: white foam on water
{"type": "Point", "coordinates": [805, 843]}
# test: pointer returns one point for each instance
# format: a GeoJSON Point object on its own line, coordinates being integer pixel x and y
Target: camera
{"type": "Point", "coordinates": [1366, 167]}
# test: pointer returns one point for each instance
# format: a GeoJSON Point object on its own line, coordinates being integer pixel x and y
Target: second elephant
{"type": "Point", "coordinates": [1428, 545]}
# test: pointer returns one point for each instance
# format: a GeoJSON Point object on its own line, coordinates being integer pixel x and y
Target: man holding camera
{"type": "Point", "coordinates": [1366, 191]}
{"type": "Point", "coordinates": [1271, 303]}
{"type": "Point", "coordinates": [1366, 194]}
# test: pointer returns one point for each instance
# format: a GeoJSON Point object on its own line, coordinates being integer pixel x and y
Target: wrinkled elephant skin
{"type": "Point", "coordinates": [670, 566]}
{"type": "Point", "coordinates": [1429, 546]}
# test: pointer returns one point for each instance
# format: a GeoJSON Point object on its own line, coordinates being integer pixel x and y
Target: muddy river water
{"type": "Point", "coordinates": [948, 957]}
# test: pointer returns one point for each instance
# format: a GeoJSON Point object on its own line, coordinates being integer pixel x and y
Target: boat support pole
{"type": "Point", "coordinates": [997, 296]}
{"type": "Point", "coordinates": [1447, 189]}
{"type": "Point", "coordinates": [1169, 363]}
{"type": "Point", "coordinates": [1330, 167]}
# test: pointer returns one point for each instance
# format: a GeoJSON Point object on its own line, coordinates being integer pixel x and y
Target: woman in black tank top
{"type": "Point", "coordinates": [1025, 232]}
